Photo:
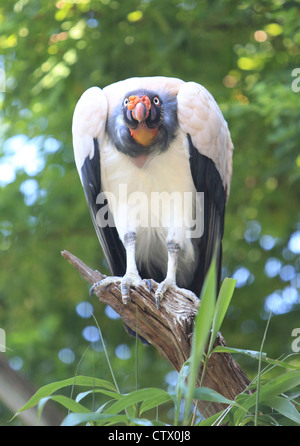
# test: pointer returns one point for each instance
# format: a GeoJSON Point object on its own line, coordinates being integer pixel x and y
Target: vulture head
{"type": "Point", "coordinates": [147, 125]}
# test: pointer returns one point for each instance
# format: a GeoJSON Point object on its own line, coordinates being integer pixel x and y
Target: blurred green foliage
{"type": "Point", "coordinates": [244, 53]}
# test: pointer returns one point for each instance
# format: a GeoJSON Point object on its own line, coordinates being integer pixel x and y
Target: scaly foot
{"type": "Point", "coordinates": [170, 284]}
{"type": "Point", "coordinates": [130, 279]}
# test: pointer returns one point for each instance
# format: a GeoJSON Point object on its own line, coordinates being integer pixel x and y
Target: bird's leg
{"type": "Point", "coordinates": [131, 277]}
{"type": "Point", "coordinates": [170, 280]}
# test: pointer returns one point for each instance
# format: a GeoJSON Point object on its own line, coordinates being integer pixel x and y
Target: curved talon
{"type": "Point", "coordinates": [161, 289]}
{"type": "Point", "coordinates": [149, 285]}
{"type": "Point", "coordinates": [92, 289]}
{"type": "Point", "coordinates": [104, 283]}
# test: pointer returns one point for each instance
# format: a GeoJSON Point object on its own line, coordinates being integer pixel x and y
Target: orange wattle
{"type": "Point", "coordinates": [143, 135]}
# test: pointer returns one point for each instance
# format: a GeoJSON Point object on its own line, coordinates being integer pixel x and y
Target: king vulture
{"type": "Point", "coordinates": [154, 156]}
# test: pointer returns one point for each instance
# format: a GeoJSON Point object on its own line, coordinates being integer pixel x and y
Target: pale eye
{"type": "Point", "coordinates": [126, 102]}
{"type": "Point", "coordinates": [156, 100]}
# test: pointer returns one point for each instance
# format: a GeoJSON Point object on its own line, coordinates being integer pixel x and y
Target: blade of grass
{"type": "Point", "coordinates": [259, 370]}
{"type": "Point", "coordinates": [106, 356]}
{"type": "Point", "coordinates": [77, 368]}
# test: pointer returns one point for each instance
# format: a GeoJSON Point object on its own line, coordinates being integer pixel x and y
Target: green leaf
{"type": "Point", "coordinates": [157, 400]}
{"type": "Point", "coordinates": [252, 353]}
{"type": "Point", "coordinates": [65, 401]}
{"type": "Point", "coordinates": [210, 421]}
{"type": "Point", "coordinates": [148, 394]}
{"type": "Point", "coordinates": [203, 323]}
{"type": "Point", "coordinates": [206, 394]}
{"type": "Point", "coordinates": [113, 395]}
{"type": "Point", "coordinates": [47, 390]}
{"type": "Point", "coordinates": [74, 419]}
{"type": "Point", "coordinates": [255, 355]}
{"type": "Point", "coordinates": [279, 363]}
{"type": "Point", "coordinates": [279, 385]}
{"type": "Point", "coordinates": [285, 407]}
{"type": "Point", "coordinates": [180, 385]}
{"type": "Point", "coordinates": [223, 301]}
{"type": "Point", "coordinates": [267, 392]}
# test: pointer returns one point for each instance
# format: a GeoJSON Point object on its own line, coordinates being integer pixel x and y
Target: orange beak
{"type": "Point", "coordinates": [140, 107]}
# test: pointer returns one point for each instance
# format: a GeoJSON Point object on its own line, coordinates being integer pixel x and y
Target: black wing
{"type": "Point", "coordinates": [111, 244]}
{"type": "Point", "coordinates": [108, 236]}
{"type": "Point", "coordinates": [207, 179]}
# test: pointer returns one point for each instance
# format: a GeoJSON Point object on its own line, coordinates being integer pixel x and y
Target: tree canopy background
{"type": "Point", "coordinates": [246, 54]}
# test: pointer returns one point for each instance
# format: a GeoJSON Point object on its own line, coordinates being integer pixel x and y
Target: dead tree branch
{"type": "Point", "coordinates": [169, 330]}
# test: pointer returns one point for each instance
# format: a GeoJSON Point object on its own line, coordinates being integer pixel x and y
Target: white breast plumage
{"type": "Point", "coordinates": [156, 200]}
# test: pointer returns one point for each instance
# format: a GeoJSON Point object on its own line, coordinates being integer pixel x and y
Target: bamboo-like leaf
{"type": "Point", "coordinates": [268, 391]}
{"type": "Point", "coordinates": [148, 394]}
{"type": "Point", "coordinates": [180, 385]}
{"type": "Point", "coordinates": [66, 402]}
{"type": "Point", "coordinates": [203, 323]}
{"type": "Point", "coordinates": [252, 353]}
{"type": "Point", "coordinates": [49, 389]}
{"type": "Point", "coordinates": [212, 420]}
{"type": "Point", "coordinates": [206, 394]}
{"type": "Point", "coordinates": [223, 301]}
{"type": "Point", "coordinates": [155, 401]}
{"type": "Point", "coordinates": [74, 419]}
{"type": "Point", "coordinates": [255, 355]}
{"type": "Point", "coordinates": [280, 385]}
{"type": "Point", "coordinates": [285, 407]}
{"type": "Point", "coordinates": [109, 393]}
